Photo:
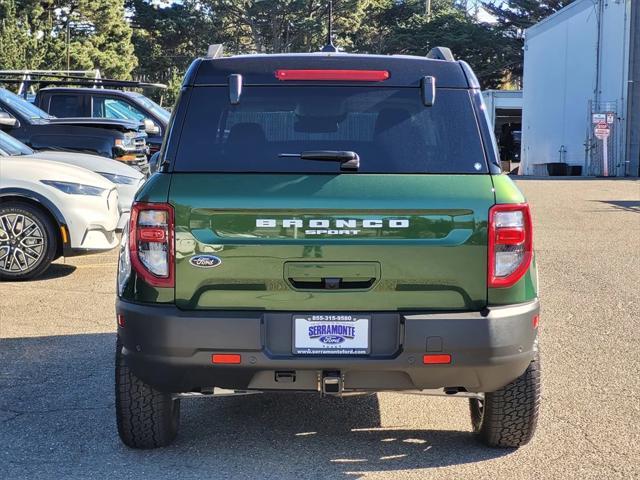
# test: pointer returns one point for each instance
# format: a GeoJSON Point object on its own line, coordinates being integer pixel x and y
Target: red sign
{"type": "Point", "coordinates": [602, 131]}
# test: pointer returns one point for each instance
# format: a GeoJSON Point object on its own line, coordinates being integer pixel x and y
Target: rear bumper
{"type": "Point", "coordinates": [171, 349]}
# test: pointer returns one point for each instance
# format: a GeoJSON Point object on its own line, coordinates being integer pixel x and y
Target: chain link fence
{"type": "Point", "coordinates": [603, 140]}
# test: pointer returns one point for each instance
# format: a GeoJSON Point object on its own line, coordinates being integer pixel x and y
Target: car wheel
{"type": "Point", "coordinates": [28, 241]}
{"type": "Point", "coordinates": [146, 417]}
{"type": "Point", "coordinates": [508, 416]}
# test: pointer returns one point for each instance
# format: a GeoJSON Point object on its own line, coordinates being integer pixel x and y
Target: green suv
{"type": "Point", "coordinates": [330, 223]}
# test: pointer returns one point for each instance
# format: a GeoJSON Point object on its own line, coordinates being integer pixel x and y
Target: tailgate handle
{"type": "Point", "coordinates": [332, 283]}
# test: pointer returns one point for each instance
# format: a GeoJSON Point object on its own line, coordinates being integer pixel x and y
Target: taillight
{"type": "Point", "coordinates": [510, 244]}
{"type": "Point", "coordinates": [151, 243]}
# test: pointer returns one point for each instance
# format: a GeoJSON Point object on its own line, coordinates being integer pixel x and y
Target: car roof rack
{"type": "Point", "coordinates": [85, 82]}
{"type": "Point", "coordinates": [441, 53]}
{"type": "Point", "coordinates": [7, 76]}
{"type": "Point", "coordinates": [23, 76]}
{"type": "Point", "coordinates": [27, 81]}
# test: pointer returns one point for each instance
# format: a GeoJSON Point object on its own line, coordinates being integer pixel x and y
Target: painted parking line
{"type": "Point", "coordinates": [92, 265]}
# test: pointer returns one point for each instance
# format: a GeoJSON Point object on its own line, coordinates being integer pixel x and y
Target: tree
{"type": "Point", "coordinates": [518, 15]}
{"type": "Point", "coordinates": [96, 33]}
{"type": "Point", "coordinates": [168, 38]}
{"type": "Point", "coordinates": [275, 26]}
{"type": "Point", "coordinates": [100, 37]}
{"type": "Point", "coordinates": [513, 17]}
{"type": "Point", "coordinates": [403, 27]}
{"type": "Point", "coordinates": [25, 35]}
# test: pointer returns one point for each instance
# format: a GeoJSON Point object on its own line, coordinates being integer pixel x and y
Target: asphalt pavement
{"type": "Point", "coordinates": [57, 402]}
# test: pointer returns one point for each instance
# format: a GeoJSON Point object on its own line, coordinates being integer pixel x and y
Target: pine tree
{"type": "Point", "coordinates": [518, 15]}
{"type": "Point", "coordinates": [36, 34]}
{"type": "Point", "coordinates": [24, 35]}
{"type": "Point", "coordinates": [513, 17]}
{"type": "Point", "coordinates": [100, 37]}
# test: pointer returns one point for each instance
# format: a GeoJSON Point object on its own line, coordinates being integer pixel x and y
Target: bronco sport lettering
{"type": "Point", "coordinates": [322, 227]}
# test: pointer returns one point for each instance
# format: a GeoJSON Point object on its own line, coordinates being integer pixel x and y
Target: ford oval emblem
{"type": "Point", "coordinates": [205, 261]}
{"type": "Point", "coordinates": [331, 339]}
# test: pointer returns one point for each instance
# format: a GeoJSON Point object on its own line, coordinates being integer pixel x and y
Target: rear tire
{"type": "Point", "coordinates": [508, 416]}
{"type": "Point", "coordinates": [146, 417]}
{"type": "Point", "coordinates": [28, 241]}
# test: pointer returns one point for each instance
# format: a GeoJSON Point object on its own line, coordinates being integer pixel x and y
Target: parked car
{"type": "Point", "coordinates": [343, 227]}
{"type": "Point", "coordinates": [106, 103]}
{"type": "Point", "coordinates": [48, 210]}
{"type": "Point", "coordinates": [126, 179]}
{"type": "Point", "coordinates": [120, 140]}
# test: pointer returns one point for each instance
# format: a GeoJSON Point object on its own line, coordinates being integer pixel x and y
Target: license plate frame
{"type": "Point", "coordinates": [347, 334]}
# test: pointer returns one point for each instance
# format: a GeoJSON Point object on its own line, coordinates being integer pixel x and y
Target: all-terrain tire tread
{"type": "Point", "coordinates": [511, 413]}
{"type": "Point", "coordinates": [146, 418]}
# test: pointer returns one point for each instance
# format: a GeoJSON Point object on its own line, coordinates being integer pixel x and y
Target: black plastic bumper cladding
{"type": "Point", "coordinates": [171, 349]}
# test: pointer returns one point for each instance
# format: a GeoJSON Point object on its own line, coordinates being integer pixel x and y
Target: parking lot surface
{"type": "Point", "coordinates": [57, 401]}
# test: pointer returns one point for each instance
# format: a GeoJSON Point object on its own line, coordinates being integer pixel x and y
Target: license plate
{"type": "Point", "coordinates": [339, 334]}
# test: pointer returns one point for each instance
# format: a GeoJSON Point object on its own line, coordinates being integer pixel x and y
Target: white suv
{"type": "Point", "coordinates": [126, 179]}
{"type": "Point", "coordinates": [48, 210]}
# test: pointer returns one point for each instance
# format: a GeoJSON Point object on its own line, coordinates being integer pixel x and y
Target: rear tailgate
{"type": "Point", "coordinates": [331, 242]}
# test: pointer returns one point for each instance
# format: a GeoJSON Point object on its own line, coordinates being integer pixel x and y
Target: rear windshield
{"type": "Point", "coordinates": [388, 128]}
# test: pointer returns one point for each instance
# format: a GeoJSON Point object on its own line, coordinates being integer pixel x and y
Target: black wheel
{"type": "Point", "coordinates": [508, 417]}
{"type": "Point", "coordinates": [146, 417]}
{"type": "Point", "coordinates": [28, 241]}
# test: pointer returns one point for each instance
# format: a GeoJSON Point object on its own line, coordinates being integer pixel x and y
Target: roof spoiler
{"type": "Point", "coordinates": [441, 53]}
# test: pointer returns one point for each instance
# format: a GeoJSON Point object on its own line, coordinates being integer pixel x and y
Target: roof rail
{"type": "Point", "coordinates": [215, 50]}
{"type": "Point", "coordinates": [25, 76]}
{"type": "Point", "coordinates": [441, 53]}
{"type": "Point", "coordinates": [66, 80]}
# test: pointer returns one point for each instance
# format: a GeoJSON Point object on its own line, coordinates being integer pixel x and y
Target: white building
{"type": "Point", "coordinates": [581, 61]}
{"type": "Point", "coordinates": [503, 106]}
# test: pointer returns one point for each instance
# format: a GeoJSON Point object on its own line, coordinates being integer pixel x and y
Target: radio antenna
{"type": "Point", "coordinates": [330, 47]}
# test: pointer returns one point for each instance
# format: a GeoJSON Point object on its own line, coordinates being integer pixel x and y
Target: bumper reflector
{"type": "Point", "coordinates": [120, 319]}
{"type": "Point", "coordinates": [436, 359]}
{"type": "Point", "coordinates": [226, 358]}
{"type": "Point", "coordinates": [127, 158]}
{"type": "Point", "coordinates": [536, 321]}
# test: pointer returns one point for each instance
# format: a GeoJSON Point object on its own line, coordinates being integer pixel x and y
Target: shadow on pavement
{"type": "Point", "coordinates": [626, 205]}
{"type": "Point", "coordinates": [572, 178]}
{"type": "Point", "coordinates": [57, 421]}
{"type": "Point", "coordinates": [56, 270]}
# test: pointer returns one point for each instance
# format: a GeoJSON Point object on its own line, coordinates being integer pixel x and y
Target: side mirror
{"type": "Point", "coordinates": [7, 120]}
{"type": "Point", "coordinates": [150, 127]}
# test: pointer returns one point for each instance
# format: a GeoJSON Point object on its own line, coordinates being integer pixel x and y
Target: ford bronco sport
{"type": "Point", "coordinates": [328, 222]}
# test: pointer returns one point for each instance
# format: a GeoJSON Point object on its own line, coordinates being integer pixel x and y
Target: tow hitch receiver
{"type": "Point", "coordinates": [331, 383]}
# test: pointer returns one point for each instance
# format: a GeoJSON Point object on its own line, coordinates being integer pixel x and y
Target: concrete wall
{"type": "Point", "coordinates": [570, 62]}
